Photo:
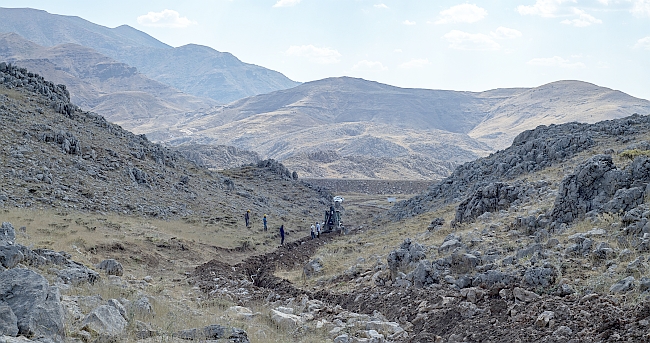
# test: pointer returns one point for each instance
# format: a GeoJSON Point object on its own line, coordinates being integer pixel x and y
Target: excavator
{"type": "Point", "coordinates": [333, 221]}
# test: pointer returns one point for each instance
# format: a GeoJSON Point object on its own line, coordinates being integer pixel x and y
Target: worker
{"type": "Point", "coordinates": [313, 231]}
{"type": "Point", "coordinates": [318, 229]}
{"type": "Point", "coordinates": [247, 218]}
{"type": "Point", "coordinates": [264, 220]}
{"type": "Point", "coordinates": [281, 234]}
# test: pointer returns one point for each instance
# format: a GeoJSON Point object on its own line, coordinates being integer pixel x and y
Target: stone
{"type": "Point", "coordinates": [524, 295]}
{"type": "Point", "coordinates": [144, 330]}
{"type": "Point", "coordinates": [623, 286]}
{"type": "Point", "coordinates": [544, 319]}
{"type": "Point", "coordinates": [36, 305]}
{"type": "Point", "coordinates": [564, 290]}
{"type": "Point", "coordinates": [7, 234]}
{"type": "Point", "coordinates": [10, 256]}
{"type": "Point", "coordinates": [467, 309]}
{"type": "Point", "coordinates": [142, 306]}
{"type": "Point", "coordinates": [77, 274]}
{"type": "Point", "coordinates": [286, 320]}
{"type": "Point", "coordinates": [540, 276]}
{"type": "Point", "coordinates": [406, 255]}
{"type": "Point", "coordinates": [436, 224]}
{"type": "Point", "coordinates": [241, 312]}
{"type": "Point", "coordinates": [563, 331]}
{"type": "Point", "coordinates": [313, 268]}
{"type": "Point", "coordinates": [118, 306]}
{"type": "Point", "coordinates": [490, 198]}
{"type": "Point", "coordinates": [385, 328]}
{"type": "Point", "coordinates": [105, 321]}
{"type": "Point", "coordinates": [8, 320]}
{"type": "Point", "coordinates": [214, 332]}
{"type": "Point", "coordinates": [344, 338]}
{"type": "Point", "coordinates": [111, 267]}
{"type": "Point", "coordinates": [450, 245]}
{"type": "Point", "coordinates": [644, 284]}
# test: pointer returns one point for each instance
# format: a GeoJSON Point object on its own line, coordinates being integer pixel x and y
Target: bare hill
{"type": "Point", "coordinates": [347, 127]}
{"type": "Point", "coordinates": [196, 70]}
{"type": "Point", "coordinates": [554, 103]}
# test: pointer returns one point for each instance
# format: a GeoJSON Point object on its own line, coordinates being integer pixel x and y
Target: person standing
{"type": "Point", "coordinates": [264, 220]}
{"type": "Point", "coordinates": [247, 218]}
{"type": "Point", "coordinates": [318, 230]}
{"type": "Point", "coordinates": [282, 234]}
{"type": "Point", "coordinates": [313, 231]}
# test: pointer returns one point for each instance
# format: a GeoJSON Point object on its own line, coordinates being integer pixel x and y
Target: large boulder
{"type": "Point", "coordinates": [313, 267]}
{"type": "Point", "coordinates": [490, 198]}
{"type": "Point", "coordinates": [286, 320]}
{"type": "Point", "coordinates": [105, 321]}
{"type": "Point", "coordinates": [407, 255]}
{"type": "Point", "coordinates": [10, 256]}
{"type": "Point", "coordinates": [36, 305]}
{"type": "Point", "coordinates": [111, 267]}
{"type": "Point", "coordinates": [77, 274]}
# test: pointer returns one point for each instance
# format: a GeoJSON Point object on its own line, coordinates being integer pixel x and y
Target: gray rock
{"type": "Point", "coordinates": [407, 254]}
{"type": "Point", "coordinates": [623, 286]}
{"type": "Point", "coordinates": [8, 320]}
{"type": "Point", "coordinates": [105, 321]}
{"type": "Point", "coordinates": [493, 197]}
{"type": "Point", "coordinates": [313, 268]}
{"type": "Point", "coordinates": [644, 284]}
{"type": "Point", "coordinates": [76, 274]}
{"type": "Point", "coordinates": [436, 224]}
{"type": "Point", "coordinates": [424, 274]}
{"type": "Point", "coordinates": [10, 255]}
{"type": "Point", "coordinates": [450, 245]}
{"type": "Point", "coordinates": [118, 306]}
{"type": "Point", "coordinates": [142, 306]}
{"type": "Point", "coordinates": [344, 338]}
{"type": "Point", "coordinates": [214, 332]}
{"type": "Point", "coordinates": [564, 290]}
{"type": "Point", "coordinates": [563, 331]}
{"type": "Point", "coordinates": [544, 319]}
{"type": "Point", "coordinates": [524, 295]}
{"type": "Point", "coordinates": [36, 305]}
{"type": "Point", "coordinates": [540, 276]}
{"type": "Point", "coordinates": [7, 234]}
{"type": "Point", "coordinates": [111, 267]}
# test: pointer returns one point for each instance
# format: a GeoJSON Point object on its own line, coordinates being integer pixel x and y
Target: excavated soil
{"type": "Point", "coordinates": [440, 313]}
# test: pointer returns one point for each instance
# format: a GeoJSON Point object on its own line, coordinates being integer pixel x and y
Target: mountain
{"type": "Point", "coordinates": [348, 127]}
{"type": "Point", "coordinates": [193, 69]}
{"type": "Point", "coordinates": [99, 83]}
{"type": "Point", "coordinates": [554, 103]}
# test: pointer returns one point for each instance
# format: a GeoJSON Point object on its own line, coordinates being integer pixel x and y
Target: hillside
{"type": "Point", "coordinates": [100, 84]}
{"type": "Point", "coordinates": [204, 71]}
{"type": "Point", "coordinates": [347, 127]}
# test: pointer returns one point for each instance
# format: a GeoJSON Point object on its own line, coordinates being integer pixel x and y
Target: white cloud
{"type": "Point", "coordinates": [542, 8]}
{"type": "Point", "coordinates": [398, 50]}
{"type": "Point", "coordinates": [286, 3]}
{"type": "Point", "coordinates": [408, 22]}
{"type": "Point", "coordinates": [583, 19]}
{"type": "Point", "coordinates": [366, 65]}
{"type": "Point", "coordinates": [643, 43]}
{"type": "Point", "coordinates": [505, 33]}
{"type": "Point", "coordinates": [641, 8]}
{"type": "Point", "coordinates": [314, 54]}
{"type": "Point", "coordinates": [166, 18]}
{"type": "Point", "coordinates": [555, 61]}
{"type": "Point", "coordinates": [382, 6]}
{"type": "Point", "coordinates": [464, 13]}
{"type": "Point", "coordinates": [470, 41]}
{"type": "Point", "coordinates": [415, 63]}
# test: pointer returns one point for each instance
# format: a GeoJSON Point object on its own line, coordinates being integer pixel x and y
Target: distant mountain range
{"type": "Point", "coordinates": [197, 70]}
{"type": "Point", "coordinates": [202, 101]}
{"type": "Point", "coordinates": [347, 127]}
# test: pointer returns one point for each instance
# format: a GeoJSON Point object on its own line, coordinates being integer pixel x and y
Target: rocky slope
{"type": "Point", "coordinates": [55, 155]}
{"type": "Point", "coordinates": [196, 70]}
{"type": "Point", "coordinates": [100, 84]}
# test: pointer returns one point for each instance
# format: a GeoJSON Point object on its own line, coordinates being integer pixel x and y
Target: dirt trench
{"type": "Point", "coordinates": [440, 313]}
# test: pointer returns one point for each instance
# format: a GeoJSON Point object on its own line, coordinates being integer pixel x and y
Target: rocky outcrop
{"type": "Point", "coordinates": [531, 151]}
{"type": "Point", "coordinates": [36, 306]}
{"type": "Point", "coordinates": [111, 267]}
{"type": "Point", "coordinates": [597, 186]}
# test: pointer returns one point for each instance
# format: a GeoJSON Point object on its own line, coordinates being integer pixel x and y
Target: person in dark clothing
{"type": "Point", "coordinates": [264, 220]}
{"type": "Point", "coordinates": [247, 218]}
{"type": "Point", "coordinates": [282, 234]}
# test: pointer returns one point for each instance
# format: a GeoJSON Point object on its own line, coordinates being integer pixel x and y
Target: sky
{"type": "Point", "coordinates": [435, 44]}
